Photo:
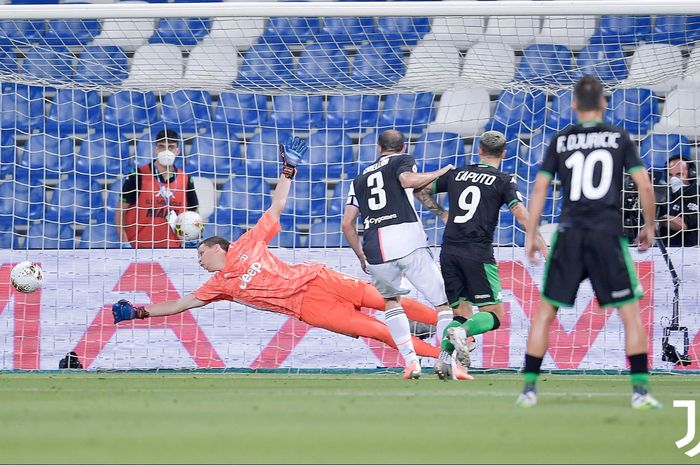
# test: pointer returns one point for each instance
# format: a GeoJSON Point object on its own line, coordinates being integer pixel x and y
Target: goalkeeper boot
{"type": "Point", "coordinates": [642, 400]}
{"type": "Point", "coordinates": [458, 337]}
{"type": "Point", "coordinates": [412, 370]}
{"type": "Point", "coordinates": [528, 398]}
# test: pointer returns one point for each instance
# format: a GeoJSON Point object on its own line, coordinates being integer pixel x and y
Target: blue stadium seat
{"type": "Point", "coordinates": [676, 29]}
{"type": "Point", "coordinates": [635, 110]}
{"type": "Point", "coordinates": [656, 149]}
{"type": "Point", "coordinates": [607, 62]}
{"type": "Point", "coordinates": [262, 153]}
{"type": "Point", "coordinates": [552, 206]}
{"type": "Point", "coordinates": [322, 65]}
{"type": "Point", "coordinates": [77, 200]}
{"type": "Point", "coordinates": [303, 112]}
{"type": "Point", "coordinates": [295, 30]}
{"type": "Point", "coordinates": [336, 201]}
{"type": "Point", "coordinates": [352, 112]}
{"type": "Point", "coordinates": [215, 153]}
{"type": "Point", "coordinates": [21, 32]}
{"type": "Point", "coordinates": [180, 31]}
{"type": "Point", "coordinates": [330, 155]}
{"type": "Point", "coordinates": [402, 30]}
{"type": "Point", "coordinates": [510, 162]}
{"type": "Point", "coordinates": [327, 234]}
{"type": "Point", "coordinates": [103, 153]}
{"type": "Point", "coordinates": [368, 152]}
{"type": "Point", "coordinates": [347, 30]}
{"type": "Point", "coordinates": [244, 112]}
{"type": "Point", "coordinates": [51, 64]}
{"type": "Point", "coordinates": [73, 110]}
{"type": "Point", "coordinates": [8, 152]}
{"type": "Point", "coordinates": [408, 113]}
{"type": "Point", "coordinates": [507, 232]}
{"type": "Point", "coordinates": [622, 30]}
{"type": "Point", "coordinates": [6, 233]}
{"type": "Point", "coordinates": [543, 64]}
{"type": "Point", "coordinates": [227, 231]}
{"type": "Point", "coordinates": [22, 107]}
{"type": "Point", "coordinates": [266, 65]}
{"type": "Point", "coordinates": [186, 110]}
{"type": "Point", "coordinates": [71, 32]}
{"type": "Point", "coordinates": [534, 155]}
{"type": "Point", "coordinates": [434, 150]}
{"type": "Point", "coordinates": [49, 235]}
{"type": "Point", "coordinates": [130, 110]}
{"type": "Point", "coordinates": [287, 238]}
{"type": "Point", "coordinates": [100, 236]}
{"type": "Point", "coordinates": [45, 156]}
{"type": "Point", "coordinates": [377, 64]}
{"type": "Point", "coordinates": [518, 112]}
{"type": "Point", "coordinates": [307, 199]}
{"type": "Point", "coordinates": [242, 201]}
{"type": "Point", "coordinates": [8, 60]}
{"type": "Point", "coordinates": [102, 65]}
{"type": "Point", "coordinates": [114, 195]}
{"type": "Point", "coordinates": [20, 202]}
{"type": "Point", "coordinates": [561, 113]}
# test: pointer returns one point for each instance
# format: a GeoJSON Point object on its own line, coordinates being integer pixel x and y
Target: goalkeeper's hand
{"type": "Point", "coordinates": [292, 154]}
{"type": "Point", "coordinates": [124, 310]}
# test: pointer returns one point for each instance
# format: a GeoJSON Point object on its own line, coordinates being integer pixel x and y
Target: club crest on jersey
{"type": "Point", "coordinates": [254, 269]}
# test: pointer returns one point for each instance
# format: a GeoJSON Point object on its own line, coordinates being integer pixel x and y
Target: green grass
{"type": "Point", "coordinates": [180, 418]}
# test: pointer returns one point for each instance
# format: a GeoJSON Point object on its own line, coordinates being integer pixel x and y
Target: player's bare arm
{"type": "Point", "coordinates": [350, 232]}
{"type": "Point", "coordinates": [425, 196]}
{"type": "Point", "coordinates": [521, 216]}
{"type": "Point", "coordinates": [648, 202]}
{"type": "Point", "coordinates": [532, 227]}
{"type": "Point", "coordinates": [413, 180]}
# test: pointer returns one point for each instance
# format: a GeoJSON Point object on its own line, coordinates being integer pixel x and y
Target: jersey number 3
{"type": "Point", "coordinates": [375, 182]}
{"type": "Point", "coordinates": [582, 168]}
{"type": "Point", "coordinates": [468, 202]}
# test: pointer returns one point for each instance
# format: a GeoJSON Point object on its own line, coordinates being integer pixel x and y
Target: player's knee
{"type": "Point", "coordinates": [498, 311]}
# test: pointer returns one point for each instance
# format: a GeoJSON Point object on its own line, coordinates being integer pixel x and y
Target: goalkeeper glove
{"type": "Point", "coordinates": [124, 310]}
{"type": "Point", "coordinates": [292, 153]}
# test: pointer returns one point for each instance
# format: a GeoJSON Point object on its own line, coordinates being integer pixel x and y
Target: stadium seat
{"type": "Point", "coordinates": [508, 232]}
{"type": "Point", "coordinates": [20, 202]}
{"type": "Point", "coordinates": [287, 238]}
{"type": "Point", "coordinates": [8, 152]}
{"type": "Point", "coordinates": [302, 112]}
{"type": "Point", "coordinates": [433, 150]}
{"type": "Point", "coordinates": [330, 155]}
{"type": "Point", "coordinates": [571, 31]}
{"type": "Point", "coordinates": [327, 234]}
{"type": "Point", "coordinates": [73, 110]}
{"type": "Point", "coordinates": [347, 30]}
{"type": "Point", "coordinates": [180, 31]}
{"type": "Point", "coordinates": [488, 64]}
{"type": "Point", "coordinates": [367, 152]}
{"type": "Point", "coordinates": [244, 112]}
{"type": "Point", "coordinates": [512, 159]}
{"type": "Point", "coordinates": [262, 153]}
{"type": "Point", "coordinates": [307, 199]}
{"type": "Point", "coordinates": [102, 65]}
{"type": "Point", "coordinates": [211, 66]}
{"type": "Point", "coordinates": [6, 233]}
{"type": "Point", "coordinates": [8, 60]}
{"type": "Point", "coordinates": [518, 112]}
{"type": "Point", "coordinates": [544, 64]}
{"type": "Point", "coordinates": [561, 114]}
{"type": "Point", "coordinates": [322, 65]}
{"type": "Point", "coordinates": [676, 29]}
{"type": "Point", "coordinates": [352, 112]}
{"type": "Point", "coordinates": [214, 154]}
{"type": "Point", "coordinates": [408, 113]}
{"type": "Point", "coordinates": [658, 67]}
{"type": "Point", "coordinates": [45, 157]}
{"type": "Point", "coordinates": [516, 31]}
{"type": "Point", "coordinates": [128, 34]}
{"type": "Point", "coordinates": [103, 153]}
{"type": "Point", "coordinates": [71, 32]}
{"type": "Point", "coordinates": [681, 113]}
{"type": "Point", "coordinates": [99, 236]}
{"type": "Point", "coordinates": [636, 110]}
{"type": "Point", "coordinates": [227, 231]}
{"type": "Point", "coordinates": [460, 31]}
{"type": "Point", "coordinates": [528, 167]}
{"type": "Point", "coordinates": [239, 33]}
{"type": "Point", "coordinates": [130, 110]}
{"type": "Point", "coordinates": [241, 201]}
{"type": "Point", "coordinates": [607, 62]}
{"type": "Point", "coordinates": [156, 65]}
{"type": "Point", "coordinates": [295, 30]}
{"type": "Point", "coordinates": [402, 30]}
{"type": "Point", "coordinates": [464, 111]}
{"type": "Point", "coordinates": [433, 66]}
{"type": "Point", "coordinates": [206, 196]}
{"type": "Point", "coordinates": [76, 200]}
{"type": "Point", "coordinates": [622, 30]}
{"type": "Point", "coordinates": [50, 64]}
{"type": "Point", "coordinates": [337, 200]}
{"type": "Point", "coordinates": [691, 75]}
{"type": "Point", "coordinates": [186, 110]}
{"type": "Point", "coordinates": [49, 235]}
{"type": "Point", "coordinates": [656, 149]}
{"type": "Point", "coordinates": [22, 107]}
{"type": "Point", "coordinates": [377, 64]}
{"type": "Point", "coordinates": [266, 65]}
{"type": "Point", "coordinates": [21, 33]}
{"type": "Point", "coordinates": [113, 200]}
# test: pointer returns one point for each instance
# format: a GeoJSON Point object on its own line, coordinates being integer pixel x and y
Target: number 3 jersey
{"type": "Point", "coordinates": [475, 194]}
{"type": "Point", "coordinates": [590, 160]}
{"type": "Point", "coordinates": [392, 227]}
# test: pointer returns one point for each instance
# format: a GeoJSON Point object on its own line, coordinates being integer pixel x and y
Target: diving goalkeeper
{"type": "Point", "coordinates": [248, 273]}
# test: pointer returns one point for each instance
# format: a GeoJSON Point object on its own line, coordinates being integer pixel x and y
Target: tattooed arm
{"type": "Point", "coordinates": [425, 196]}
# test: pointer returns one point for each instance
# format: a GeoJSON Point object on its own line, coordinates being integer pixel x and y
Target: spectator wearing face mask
{"type": "Point", "coordinates": [153, 196]}
{"type": "Point", "coordinates": [679, 215]}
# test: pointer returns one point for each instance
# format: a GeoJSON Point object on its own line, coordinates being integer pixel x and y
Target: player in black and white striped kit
{"type": "Point", "coordinates": [394, 242]}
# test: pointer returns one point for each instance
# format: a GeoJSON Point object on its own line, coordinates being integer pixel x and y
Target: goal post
{"type": "Point", "coordinates": [86, 88]}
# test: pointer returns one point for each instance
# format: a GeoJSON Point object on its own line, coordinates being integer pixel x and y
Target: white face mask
{"type": "Point", "coordinates": [675, 183]}
{"type": "Point", "coordinates": [166, 158]}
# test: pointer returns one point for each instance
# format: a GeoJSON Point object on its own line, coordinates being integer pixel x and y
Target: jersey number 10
{"type": "Point", "coordinates": [582, 168]}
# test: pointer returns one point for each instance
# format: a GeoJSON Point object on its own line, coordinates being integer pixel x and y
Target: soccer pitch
{"type": "Point", "coordinates": [208, 418]}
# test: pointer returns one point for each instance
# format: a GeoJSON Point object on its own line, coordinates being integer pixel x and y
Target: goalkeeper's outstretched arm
{"type": "Point", "coordinates": [125, 310]}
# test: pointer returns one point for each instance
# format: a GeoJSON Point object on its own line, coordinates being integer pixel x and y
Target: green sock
{"type": "Point", "coordinates": [479, 323]}
{"type": "Point", "coordinates": [639, 379]}
{"type": "Point", "coordinates": [530, 378]}
{"type": "Point", "coordinates": [445, 344]}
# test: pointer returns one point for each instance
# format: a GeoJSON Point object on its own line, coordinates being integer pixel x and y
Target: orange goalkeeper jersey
{"type": "Point", "coordinates": [255, 277]}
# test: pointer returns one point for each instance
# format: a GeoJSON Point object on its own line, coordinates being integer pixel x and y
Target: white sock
{"type": "Point", "coordinates": [444, 318]}
{"type": "Point", "coordinates": [400, 331]}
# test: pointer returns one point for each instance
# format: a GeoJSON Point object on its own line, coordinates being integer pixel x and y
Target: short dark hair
{"type": "Point", "coordinates": [492, 143]}
{"type": "Point", "coordinates": [588, 92]}
{"type": "Point", "coordinates": [215, 240]}
{"type": "Point", "coordinates": [391, 141]}
{"type": "Point", "coordinates": [167, 134]}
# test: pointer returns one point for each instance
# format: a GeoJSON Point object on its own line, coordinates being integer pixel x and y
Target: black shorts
{"type": "Point", "coordinates": [577, 254]}
{"type": "Point", "coordinates": [474, 281]}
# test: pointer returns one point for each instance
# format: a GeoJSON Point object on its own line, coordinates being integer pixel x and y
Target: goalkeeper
{"type": "Point", "coordinates": [247, 272]}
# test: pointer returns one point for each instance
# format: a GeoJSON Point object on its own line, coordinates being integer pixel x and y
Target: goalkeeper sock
{"type": "Point", "coordinates": [639, 372]}
{"type": "Point", "coordinates": [481, 322]}
{"type": "Point", "coordinates": [532, 370]}
{"type": "Point", "coordinates": [445, 344]}
{"type": "Point", "coordinates": [400, 331]}
{"type": "Point", "coordinates": [444, 318]}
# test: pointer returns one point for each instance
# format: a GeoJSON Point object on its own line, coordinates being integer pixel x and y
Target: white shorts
{"type": "Point", "coordinates": [420, 269]}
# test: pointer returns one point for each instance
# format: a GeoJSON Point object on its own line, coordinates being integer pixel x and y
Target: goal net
{"type": "Point", "coordinates": [87, 88]}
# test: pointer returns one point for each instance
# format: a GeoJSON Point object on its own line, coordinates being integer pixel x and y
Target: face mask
{"type": "Point", "coordinates": [166, 158]}
{"type": "Point", "coordinates": [675, 183]}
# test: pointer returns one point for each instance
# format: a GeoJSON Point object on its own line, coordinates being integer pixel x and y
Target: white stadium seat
{"type": "Point", "coordinates": [156, 65]}
{"type": "Point", "coordinates": [517, 31]}
{"type": "Point", "coordinates": [656, 66]}
{"type": "Point", "coordinates": [462, 31]}
{"type": "Point", "coordinates": [240, 33]}
{"type": "Point", "coordinates": [128, 34]}
{"type": "Point", "coordinates": [433, 66]}
{"type": "Point", "coordinates": [464, 111]}
{"type": "Point", "coordinates": [572, 31]}
{"type": "Point", "coordinates": [681, 113]}
{"type": "Point", "coordinates": [691, 76]}
{"type": "Point", "coordinates": [488, 64]}
{"type": "Point", "coordinates": [211, 66]}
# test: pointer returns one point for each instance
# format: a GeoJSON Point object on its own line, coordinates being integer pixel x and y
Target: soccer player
{"type": "Point", "coordinates": [475, 194]}
{"type": "Point", "coordinates": [247, 272]}
{"type": "Point", "coordinates": [394, 242]}
{"type": "Point", "coordinates": [589, 158]}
